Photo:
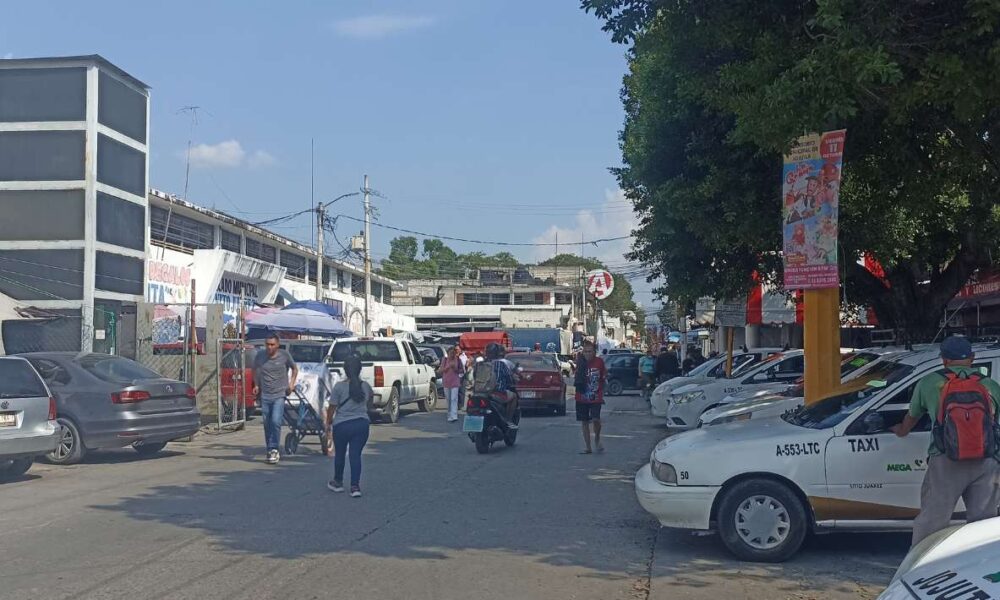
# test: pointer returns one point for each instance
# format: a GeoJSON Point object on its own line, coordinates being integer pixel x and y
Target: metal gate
{"type": "Point", "coordinates": [235, 383]}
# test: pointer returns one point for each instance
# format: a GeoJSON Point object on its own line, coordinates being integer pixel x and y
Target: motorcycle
{"type": "Point", "coordinates": [486, 423]}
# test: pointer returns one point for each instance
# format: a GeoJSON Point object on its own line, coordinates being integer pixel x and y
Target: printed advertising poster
{"type": "Point", "coordinates": [811, 190]}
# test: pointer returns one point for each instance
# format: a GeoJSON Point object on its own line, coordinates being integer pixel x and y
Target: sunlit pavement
{"type": "Point", "coordinates": [209, 519]}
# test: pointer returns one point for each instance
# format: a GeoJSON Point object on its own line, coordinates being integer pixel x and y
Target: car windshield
{"type": "Point", "coordinates": [535, 361]}
{"type": "Point", "coordinates": [115, 369]}
{"type": "Point", "coordinates": [857, 361]}
{"type": "Point", "coordinates": [707, 366]}
{"type": "Point", "coordinates": [753, 364]}
{"type": "Point", "coordinates": [18, 380]}
{"type": "Point", "coordinates": [833, 409]}
{"type": "Point", "coordinates": [308, 353]}
{"type": "Point", "coordinates": [370, 351]}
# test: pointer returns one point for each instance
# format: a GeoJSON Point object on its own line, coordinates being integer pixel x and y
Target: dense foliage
{"type": "Point", "coordinates": [717, 90]}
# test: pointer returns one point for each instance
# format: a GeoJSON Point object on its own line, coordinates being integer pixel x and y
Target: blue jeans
{"type": "Point", "coordinates": [349, 439]}
{"type": "Point", "coordinates": [272, 412]}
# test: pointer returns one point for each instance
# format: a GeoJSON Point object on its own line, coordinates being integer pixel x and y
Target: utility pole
{"type": "Point", "coordinates": [368, 258]}
{"type": "Point", "coordinates": [320, 218]}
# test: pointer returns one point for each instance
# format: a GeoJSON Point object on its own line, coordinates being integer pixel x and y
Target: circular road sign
{"type": "Point", "coordinates": [600, 284]}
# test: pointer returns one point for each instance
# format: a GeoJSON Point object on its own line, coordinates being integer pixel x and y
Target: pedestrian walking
{"type": "Point", "coordinates": [963, 456]}
{"type": "Point", "coordinates": [667, 366]}
{"type": "Point", "coordinates": [647, 372]}
{"type": "Point", "coordinates": [272, 382]}
{"type": "Point", "coordinates": [348, 419]}
{"type": "Point", "coordinates": [589, 383]}
{"type": "Point", "coordinates": [451, 373]}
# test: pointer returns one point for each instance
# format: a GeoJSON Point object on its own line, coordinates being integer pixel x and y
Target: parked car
{"type": "Point", "coordinates": [620, 351]}
{"type": "Point", "coordinates": [438, 350]}
{"type": "Point", "coordinates": [833, 465]}
{"type": "Point", "coordinates": [105, 401]}
{"type": "Point", "coordinates": [27, 417]}
{"type": "Point", "coordinates": [394, 368]}
{"type": "Point", "coordinates": [714, 368]}
{"type": "Point", "coordinates": [623, 372]}
{"type": "Point", "coordinates": [956, 562]}
{"type": "Point", "coordinates": [540, 384]}
{"type": "Point", "coordinates": [768, 403]}
{"type": "Point", "coordinates": [431, 359]}
{"type": "Point", "coordinates": [688, 402]}
{"type": "Point", "coordinates": [236, 375]}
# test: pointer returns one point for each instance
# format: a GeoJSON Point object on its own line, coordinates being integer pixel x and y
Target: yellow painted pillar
{"type": "Point", "coordinates": [822, 342]}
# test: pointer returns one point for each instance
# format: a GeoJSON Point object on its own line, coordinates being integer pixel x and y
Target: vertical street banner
{"type": "Point", "coordinates": [810, 213]}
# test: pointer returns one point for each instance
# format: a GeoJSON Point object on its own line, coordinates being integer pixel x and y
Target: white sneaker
{"type": "Point", "coordinates": [273, 457]}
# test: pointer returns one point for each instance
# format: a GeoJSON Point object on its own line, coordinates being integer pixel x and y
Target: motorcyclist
{"type": "Point", "coordinates": [504, 374]}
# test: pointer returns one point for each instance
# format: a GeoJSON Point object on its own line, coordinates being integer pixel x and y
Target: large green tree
{"type": "Point", "coordinates": [717, 90]}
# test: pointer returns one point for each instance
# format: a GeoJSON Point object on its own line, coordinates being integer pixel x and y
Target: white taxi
{"type": "Point", "coordinates": [757, 405]}
{"type": "Point", "coordinates": [689, 401]}
{"type": "Point", "coordinates": [764, 484]}
{"type": "Point", "coordinates": [958, 562]}
{"type": "Point", "coordinates": [708, 371]}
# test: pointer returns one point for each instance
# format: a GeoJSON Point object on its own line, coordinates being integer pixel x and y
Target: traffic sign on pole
{"type": "Point", "coordinates": [600, 284]}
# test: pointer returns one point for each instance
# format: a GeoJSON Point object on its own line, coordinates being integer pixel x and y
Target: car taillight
{"type": "Point", "coordinates": [129, 397]}
{"type": "Point", "coordinates": [379, 377]}
{"type": "Point", "coordinates": [190, 392]}
{"type": "Point", "coordinates": [52, 409]}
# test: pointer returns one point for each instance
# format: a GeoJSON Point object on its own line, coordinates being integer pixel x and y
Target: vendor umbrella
{"type": "Point", "coordinates": [301, 320]}
{"type": "Point", "coordinates": [323, 307]}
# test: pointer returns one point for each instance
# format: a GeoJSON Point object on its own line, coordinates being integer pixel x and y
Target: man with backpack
{"type": "Point", "coordinates": [963, 458]}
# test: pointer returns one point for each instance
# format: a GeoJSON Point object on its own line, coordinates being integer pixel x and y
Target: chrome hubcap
{"type": "Point", "coordinates": [762, 522]}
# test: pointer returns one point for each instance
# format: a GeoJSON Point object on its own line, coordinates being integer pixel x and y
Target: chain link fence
{"type": "Point", "coordinates": [235, 383]}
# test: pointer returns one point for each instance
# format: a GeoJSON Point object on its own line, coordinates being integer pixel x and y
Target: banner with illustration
{"type": "Point", "coordinates": [809, 216]}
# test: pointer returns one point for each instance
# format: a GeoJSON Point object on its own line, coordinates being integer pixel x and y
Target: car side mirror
{"type": "Point", "coordinates": [874, 423]}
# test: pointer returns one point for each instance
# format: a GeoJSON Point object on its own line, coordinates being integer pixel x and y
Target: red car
{"type": "Point", "coordinates": [232, 377]}
{"type": "Point", "coordinates": [540, 382]}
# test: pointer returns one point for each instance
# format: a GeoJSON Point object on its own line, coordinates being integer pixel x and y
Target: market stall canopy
{"type": "Point", "coordinates": [333, 311]}
{"type": "Point", "coordinates": [298, 320]}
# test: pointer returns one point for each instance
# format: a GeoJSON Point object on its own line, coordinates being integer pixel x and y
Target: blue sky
{"type": "Point", "coordinates": [485, 120]}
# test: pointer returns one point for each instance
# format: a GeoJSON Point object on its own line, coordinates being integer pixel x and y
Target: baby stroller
{"type": "Point", "coordinates": [304, 409]}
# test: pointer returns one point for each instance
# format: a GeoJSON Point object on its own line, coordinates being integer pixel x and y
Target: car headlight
{"type": "Point", "coordinates": [663, 472]}
{"type": "Point", "coordinates": [688, 397]}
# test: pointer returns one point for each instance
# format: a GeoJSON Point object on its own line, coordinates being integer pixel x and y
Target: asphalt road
{"type": "Point", "coordinates": [208, 519]}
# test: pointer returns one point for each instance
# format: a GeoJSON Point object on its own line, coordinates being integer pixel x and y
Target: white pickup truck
{"type": "Point", "coordinates": [395, 370]}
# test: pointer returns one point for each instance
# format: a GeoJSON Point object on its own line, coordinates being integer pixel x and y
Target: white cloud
{"type": "Point", "coordinates": [223, 155]}
{"type": "Point", "coordinates": [260, 158]}
{"type": "Point", "coordinates": [227, 155]}
{"type": "Point", "coordinates": [379, 26]}
{"type": "Point", "coordinates": [607, 221]}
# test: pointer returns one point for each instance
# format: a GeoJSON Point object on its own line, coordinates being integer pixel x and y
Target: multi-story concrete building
{"type": "Point", "coordinates": [73, 172]}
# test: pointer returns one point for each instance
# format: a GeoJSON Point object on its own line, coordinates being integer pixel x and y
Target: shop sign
{"type": "Point", "coordinates": [167, 284]}
{"type": "Point", "coordinates": [230, 291]}
{"type": "Point", "coordinates": [810, 210]}
{"type": "Point", "coordinates": [987, 284]}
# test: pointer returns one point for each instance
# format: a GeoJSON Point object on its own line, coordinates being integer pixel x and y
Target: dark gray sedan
{"type": "Point", "coordinates": [107, 401]}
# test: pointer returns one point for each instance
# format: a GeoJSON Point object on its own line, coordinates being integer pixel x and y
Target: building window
{"type": "Point", "coordinates": [312, 270]}
{"type": "Point", "coordinates": [261, 251]}
{"type": "Point", "coordinates": [532, 298]}
{"type": "Point", "coordinates": [231, 241]}
{"type": "Point", "coordinates": [564, 298]}
{"type": "Point", "coordinates": [428, 301]}
{"type": "Point", "coordinates": [358, 286]}
{"type": "Point", "coordinates": [486, 299]}
{"type": "Point", "coordinates": [295, 263]}
{"type": "Point", "coordinates": [171, 229]}
{"type": "Point", "coordinates": [377, 291]}
{"type": "Point", "coordinates": [386, 294]}
{"type": "Point", "coordinates": [341, 280]}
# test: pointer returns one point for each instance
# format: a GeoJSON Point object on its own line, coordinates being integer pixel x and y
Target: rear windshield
{"type": "Point", "coordinates": [830, 411]}
{"type": "Point", "coordinates": [115, 369]}
{"type": "Point", "coordinates": [535, 361]}
{"type": "Point", "coordinates": [370, 351]}
{"type": "Point", "coordinates": [308, 354]}
{"type": "Point", "coordinates": [19, 380]}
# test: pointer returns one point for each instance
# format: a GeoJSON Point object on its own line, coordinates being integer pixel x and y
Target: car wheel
{"type": "Point", "coordinates": [482, 442]}
{"type": "Point", "coordinates": [390, 414]}
{"type": "Point", "coordinates": [430, 403]}
{"type": "Point", "coordinates": [761, 520]}
{"type": "Point", "coordinates": [510, 437]}
{"type": "Point", "coordinates": [149, 449]}
{"type": "Point", "coordinates": [291, 443]}
{"type": "Point", "coordinates": [614, 388]}
{"type": "Point", "coordinates": [70, 449]}
{"type": "Point", "coordinates": [14, 468]}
